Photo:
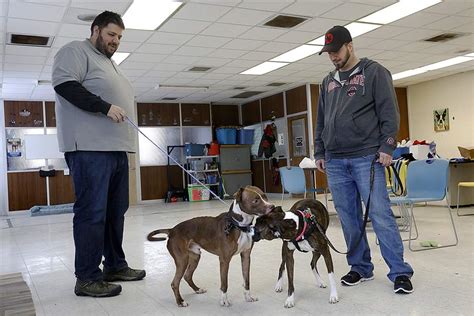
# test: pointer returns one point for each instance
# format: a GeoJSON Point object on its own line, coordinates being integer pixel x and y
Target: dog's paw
{"type": "Point", "coordinates": [290, 301]}
{"type": "Point", "coordinates": [248, 297]}
{"type": "Point", "coordinates": [224, 300]}
{"type": "Point", "coordinates": [200, 291]}
{"type": "Point", "coordinates": [333, 299]}
{"type": "Point", "coordinates": [279, 286]}
{"type": "Point", "coordinates": [183, 304]}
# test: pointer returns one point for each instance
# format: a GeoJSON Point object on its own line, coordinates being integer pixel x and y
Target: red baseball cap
{"type": "Point", "coordinates": [335, 38]}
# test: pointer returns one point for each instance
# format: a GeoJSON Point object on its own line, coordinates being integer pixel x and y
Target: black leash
{"type": "Point", "coordinates": [366, 215]}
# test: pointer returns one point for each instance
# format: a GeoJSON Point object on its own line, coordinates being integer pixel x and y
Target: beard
{"type": "Point", "coordinates": [103, 47]}
{"type": "Point", "coordinates": [343, 61]}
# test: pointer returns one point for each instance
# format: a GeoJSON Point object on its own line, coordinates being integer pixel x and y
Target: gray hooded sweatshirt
{"type": "Point", "coordinates": [358, 117]}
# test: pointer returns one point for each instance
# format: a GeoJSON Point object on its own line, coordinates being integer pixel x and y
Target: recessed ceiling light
{"type": "Point", "coordinates": [408, 73]}
{"type": "Point", "coordinates": [263, 68]}
{"type": "Point", "coordinates": [434, 66]}
{"type": "Point", "coordinates": [119, 57]}
{"type": "Point", "coordinates": [298, 53]}
{"type": "Point", "coordinates": [149, 14]}
{"type": "Point", "coordinates": [469, 55]}
{"type": "Point", "coordinates": [398, 10]}
{"type": "Point", "coordinates": [357, 28]}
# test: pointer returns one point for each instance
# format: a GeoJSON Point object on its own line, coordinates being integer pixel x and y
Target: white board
{"type": "Point", "coordinates": [42, 147]}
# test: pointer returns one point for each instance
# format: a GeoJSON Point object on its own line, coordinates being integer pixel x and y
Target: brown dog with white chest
{"type": "Point", "coordinates": [225, 235]}
{"type": "Point", "coordinates": [299, 230]}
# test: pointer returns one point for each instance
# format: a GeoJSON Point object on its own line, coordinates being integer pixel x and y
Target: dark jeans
{"type": "Point", "coordinates": [101, 189]}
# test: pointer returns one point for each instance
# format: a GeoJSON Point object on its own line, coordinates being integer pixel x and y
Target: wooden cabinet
{"type": "Point", "coordinates": [154, 182]}
{"type": "Point", "coordinates": [296, 100]}
{"type": "Point", "coordinates": [272, 106]}
{"type": "Point", "coordinates": [251, 113]}
{"type": "Point", "coordinates": [61, 189]}
{"type": "Point", "coordinates": [258, 178]}
{"type": "Point", "coordinates": [50, 114]}
{"type": "Point", "coordinates": [195, 114]}
{"type": "Point", "coordinates": [23, 113]}
{"type": "Point", "coordinates": [158, 114]}
{"type": "Point", "coordinates": [272, 179]}
{"type": "Point", "coordinates": [225, 115]}
{"type": "Point", "coordinates": [25, 190]}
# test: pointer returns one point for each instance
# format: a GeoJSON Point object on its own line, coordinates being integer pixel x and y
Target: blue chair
{"type": "Point", "coordinates": [292, 181]}
{"type": "Point", "coordinates": [426, 181]}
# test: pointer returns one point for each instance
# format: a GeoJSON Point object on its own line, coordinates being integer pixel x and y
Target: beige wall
{"type": "Point", "coordinates": [455, 92]}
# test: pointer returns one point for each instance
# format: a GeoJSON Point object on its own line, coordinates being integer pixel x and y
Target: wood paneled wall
{"type": "Point", "coordinates": [251, 113]}
{"type": "Point", "coordinates": [195, 114]}
{"type": "Point", "coordinates": [50, 114]}
{"type": "Point", "coordinates": [272, 106]}
{"type": "Point", "coordinates": [296, 100]}
{"type": "Point", "coordinates": [404, 131]}
{"type": "Point", "coordinates": [225, 115]}
{"type": "Point", "coordinates": [158, 114]}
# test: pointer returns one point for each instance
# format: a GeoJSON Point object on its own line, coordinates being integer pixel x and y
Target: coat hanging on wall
{"type": "Point", "coordinates": [267, 144]}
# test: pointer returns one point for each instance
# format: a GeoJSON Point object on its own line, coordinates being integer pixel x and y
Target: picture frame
{"type": "Point", "coordinates": [441, 120]}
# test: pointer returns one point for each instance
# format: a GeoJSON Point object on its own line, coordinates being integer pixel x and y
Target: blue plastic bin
{"type": "Point", "coordinates": [194, 149]}
{"type": "Point", "coordinates": [226, 136]}
{"type": "Point", "coordinates": [399, 151]}
{"type": "Point", "coordinates": [245, 136]}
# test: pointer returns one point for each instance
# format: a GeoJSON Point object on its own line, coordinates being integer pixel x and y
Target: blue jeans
{"type": "Point", "coordinates": [101, 189]}
{"type": "Point", "coordinates": [349, 181]}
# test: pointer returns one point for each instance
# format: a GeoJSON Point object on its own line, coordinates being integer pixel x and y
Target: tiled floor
{"type": "Point", "coordinates": [42, 249]}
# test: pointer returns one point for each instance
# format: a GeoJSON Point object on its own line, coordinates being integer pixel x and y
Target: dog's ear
{"type": "Point", "coordinates": [238, 194]}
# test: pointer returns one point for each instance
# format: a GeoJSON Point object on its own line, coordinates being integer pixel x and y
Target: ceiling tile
{"type": "Point", "coordinates": [208, 41]}
{"type": "Point", "coordinates": [450, 22]}
{"type": "Point", "coordinates": [213, 61]}
{"type": "Point", "coordinates": [170, 67]}
{"type": "Point", "coordinates": [157, 49]}
{"type": "Point", "coordinates": [193, 51]}
{"type": "Point", "coordinates": [418, 19]}
{"type": "Point", "coordinates": [227, 53]}
{"type": "Point", "coordinates": [128, 46]}
{"type": "Point", "coordinates": [74, 30]}
{"type": "Point", "coordinates": [22, 26]}
{"type": "Point", "coordinates": [33, 11]}
{"type": "Point", "coordinates": [181, 60]}
{"type": "Point", "coordinates": [129, 64]}
{"type": "Point", "coordinates": [201, 12]}
{"type": "Point", "coordinates": [19, 59]}
{"type": "Point", "coordinates": [387, 31]}
{"type": "Point", "coordinates": [451, 7]}
{"type": "Point", "coordinates": [319, 26]}
{"type": "Point", "coordinates": [350, 11]}
{"type": "Point", "coordinates": [119, 6]}
{"type": "Point", "coordinates": [147, 58]}
{"type": "Point", "coordinates": [243, 44]}
{"type": "Point", "coordinates": [263, 33]}
{"type": "Point", "coordinates": [184, 26]}
{"type": "Point", "coordinates": [259, 56]}
{"type": "Point", "coordinates": [297, 37]}
{"type": "Point", "coordinates": [136, 35]}
{"type": "Point", "coordinates": [266, 5]}
{"type": "Point", "coordinates": [308, 8]}
{"type": "Point", "coordinates": [245, 17]}
{"type": "Point", "coordinates": [226, 30]}
{"type": "Point", "coordinates": [276, 47]}
{"type": "Point", "coordinates": [169, 38]}
{"type": "Point", "coordinates": [26, 51]}
{"type": "Point", "coordinates": [416, 34]}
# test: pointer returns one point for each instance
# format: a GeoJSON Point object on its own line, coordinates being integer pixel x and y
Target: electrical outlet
{"type": "Point", "coordinates": [281, 139]}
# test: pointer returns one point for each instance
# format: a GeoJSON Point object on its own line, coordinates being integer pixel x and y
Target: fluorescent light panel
{"type": "Point", "coordinates": [434, 66]}
{"type": "Point", "coordinates": [469, 55]}
{"type": "Point", "coordinates": [398, 10]}
{"type": "Point", "coordinates": [298, 53]}
{"type": "Point", "coordinates": [119, 57]}
{"type": "Point", "coordinates": [149, 14]}
{"type": "Point", "coordinates": [263, 68]}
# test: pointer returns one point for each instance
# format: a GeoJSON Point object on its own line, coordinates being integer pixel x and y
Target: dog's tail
{"type": "Point", "coordinates": [151, 235]}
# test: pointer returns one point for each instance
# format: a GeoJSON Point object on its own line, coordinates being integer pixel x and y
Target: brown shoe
{"type": "Point", "coordinates": [126, 274]}
{"type": "Point", "coordinates": [96, 288]}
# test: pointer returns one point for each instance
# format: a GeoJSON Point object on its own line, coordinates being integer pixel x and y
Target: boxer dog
{"type": "Point", "coordinates": [299, 230]}
{"type": "Point", "coordinates": [225, 235]}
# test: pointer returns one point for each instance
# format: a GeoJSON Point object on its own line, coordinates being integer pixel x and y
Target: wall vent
{"type": "Point", "coordinates": [276, 84]}
{"type": "Point", "coordinates": [29, 40]}
{"type": "Point", "coordinates": [240, 88]}
{"type": "Point", "coordinates": [200, 69]}
{"type": "Point", "coordinates": [246, 94]}
{"type": "Point", "coordinates": [285, 21]}
{"type": "Point", "coordinates": [169, 99]}
{"type": "Point", "coordinates": [444, 37]}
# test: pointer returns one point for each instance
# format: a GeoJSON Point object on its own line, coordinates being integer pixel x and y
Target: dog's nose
{"type": "Point", "coordinates": [270, 208]}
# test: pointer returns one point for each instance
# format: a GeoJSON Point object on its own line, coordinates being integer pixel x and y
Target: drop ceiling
{"type": "Point", "coordinates": [229, 37]}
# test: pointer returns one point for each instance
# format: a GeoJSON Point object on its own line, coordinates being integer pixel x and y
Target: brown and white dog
{"type": "Point", "coordinates": [299, 230]}
{"type": "Point", "coordinates": [225, 235]}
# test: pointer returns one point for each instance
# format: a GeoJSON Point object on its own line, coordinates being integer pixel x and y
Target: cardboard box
{"type": "Point", "coordinates": [466, 152]}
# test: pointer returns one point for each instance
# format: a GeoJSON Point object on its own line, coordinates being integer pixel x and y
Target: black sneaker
{"type": "Point", "coordinates": [96, 288]}
{"type": "Point", "coordinates": [402, 285]}
{"type": "Point", "coordinates": [354, 278]}
{"type": "Point", "coordinates": [126, 274]}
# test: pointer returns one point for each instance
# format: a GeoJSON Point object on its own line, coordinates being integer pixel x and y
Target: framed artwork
{"type": "Point", "coordinates": [441, 120]}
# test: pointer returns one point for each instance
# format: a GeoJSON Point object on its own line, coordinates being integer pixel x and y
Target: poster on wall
{"type": "Point", "coordinates": [14, 147]}
{"type": "Point", "coordinates": [441, 120]}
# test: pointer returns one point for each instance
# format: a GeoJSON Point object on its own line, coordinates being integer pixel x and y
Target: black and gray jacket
{"type": "Point", "coordinates": [358, 117]}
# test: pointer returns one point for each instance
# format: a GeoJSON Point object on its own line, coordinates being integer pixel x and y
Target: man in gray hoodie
{"type": "Point", "coordinates": [357, 123]}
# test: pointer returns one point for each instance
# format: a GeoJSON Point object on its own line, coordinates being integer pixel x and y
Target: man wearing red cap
{"type": "Point", "coordinates": [357, 122]}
